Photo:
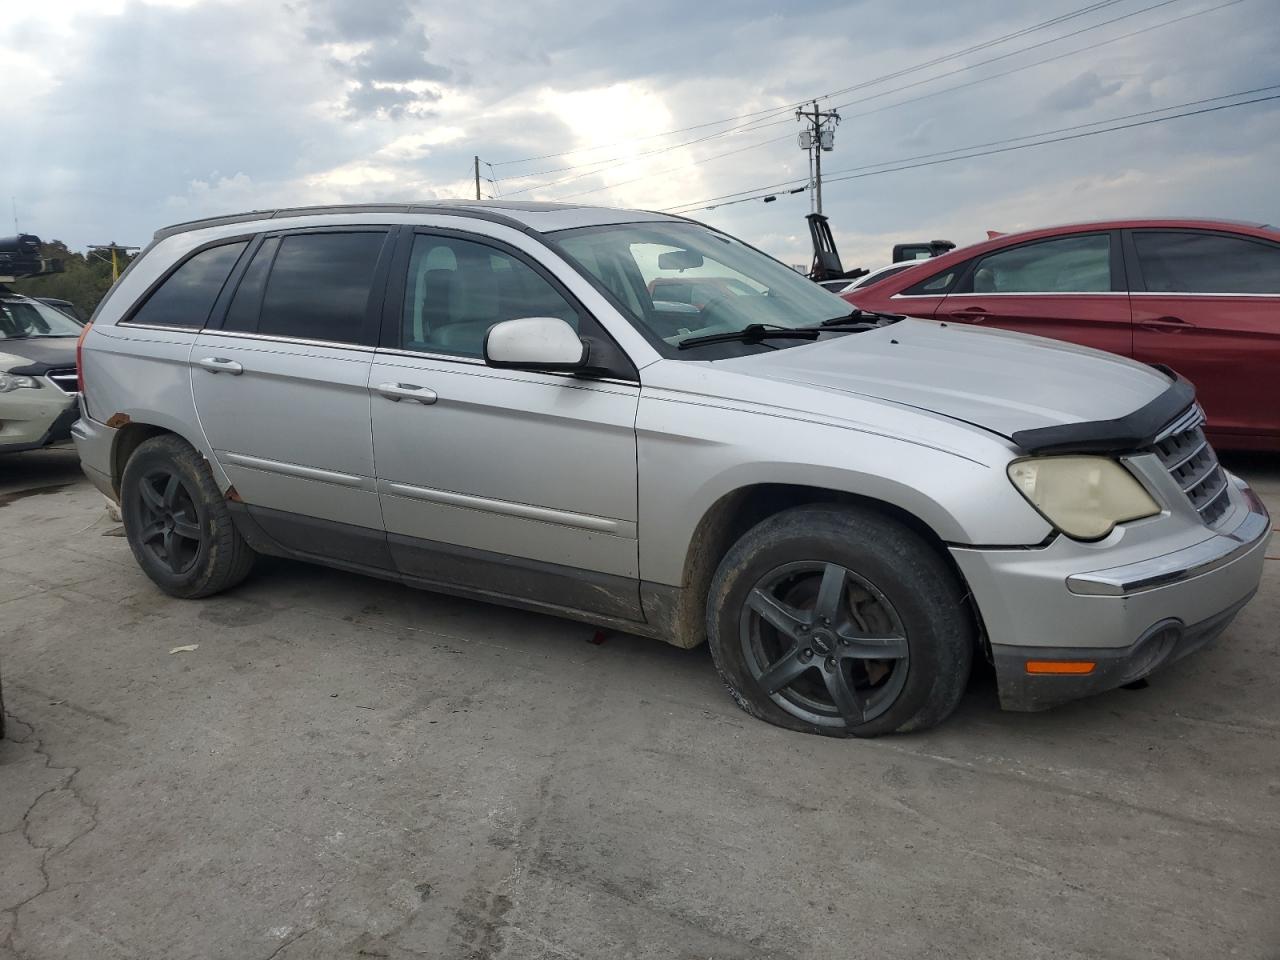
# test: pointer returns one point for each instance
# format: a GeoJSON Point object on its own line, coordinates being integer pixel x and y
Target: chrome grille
{"type": "Point", "coordinates": [64, 378]}
{"type": "Point", "coordinates": [1190, 460]}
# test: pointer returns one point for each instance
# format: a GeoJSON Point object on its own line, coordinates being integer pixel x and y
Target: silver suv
{"type": "Point", "coordinates": [490, 400]}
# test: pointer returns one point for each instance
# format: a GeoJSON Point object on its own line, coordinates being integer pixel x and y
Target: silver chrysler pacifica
{"type": "Point", "coordinates": [635, 420]}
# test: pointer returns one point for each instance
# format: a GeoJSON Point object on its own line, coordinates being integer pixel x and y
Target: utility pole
{"type": "Point", "coordinates": [102, 249]}
{"type": "Point", "coordinates": [820, 137]}
{"type": "Point", "coordinates": [477, 159]}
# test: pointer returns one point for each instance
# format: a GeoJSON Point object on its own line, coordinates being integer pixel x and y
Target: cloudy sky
{"type": "Point", "coordinates": [125, 115]}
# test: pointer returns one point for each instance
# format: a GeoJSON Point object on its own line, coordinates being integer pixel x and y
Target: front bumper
{"type": "Point", "coordinates": [31, 419]}
{"type": "Point", "coordinates": [1062, 603]}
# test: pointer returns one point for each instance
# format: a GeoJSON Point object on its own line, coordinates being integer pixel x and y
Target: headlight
{"type": "Point", "coordinates": [1084, 497]}
{"type": "Point", "coordinates": [11, 381]}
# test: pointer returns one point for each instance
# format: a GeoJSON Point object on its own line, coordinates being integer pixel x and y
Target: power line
{"type": "Point", "coordinates": [603, 165]}
{"type": "Point", "coordinates": [960, 86]}
{"type": "Point", "coordinates": [1014, 53]}
{"type": "Point", "coordinates": [972, 151]}
{"type": "Point", "coordinates": [1034, 63]}
{"type": "Point", "coordinates": [759, 115]}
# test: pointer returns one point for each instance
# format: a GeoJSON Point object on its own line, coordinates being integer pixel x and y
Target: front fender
{"type": "Point", "coordinates": [692, 455]}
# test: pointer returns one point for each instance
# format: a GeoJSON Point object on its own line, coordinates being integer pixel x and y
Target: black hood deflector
{"type": "Point", "coordinates": [1134, 431]}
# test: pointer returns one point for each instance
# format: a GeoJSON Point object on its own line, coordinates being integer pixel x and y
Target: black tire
{"type": "Point", "coordinates": [885, 590]}
{"type": "Point", "coordinates": [177, 521]}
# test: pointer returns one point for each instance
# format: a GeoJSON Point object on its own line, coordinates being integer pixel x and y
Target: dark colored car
{"type": "Point", "coordinates": [1199, 296]}
{"type": "Point", "coordinates": [66, 306]}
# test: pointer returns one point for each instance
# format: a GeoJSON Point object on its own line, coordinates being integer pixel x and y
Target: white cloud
{"type": "Point", "coordinates": [156, 109]}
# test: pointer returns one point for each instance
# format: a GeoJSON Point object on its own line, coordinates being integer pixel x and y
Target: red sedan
{"type": "Point", "coordinates": [1200, 296]}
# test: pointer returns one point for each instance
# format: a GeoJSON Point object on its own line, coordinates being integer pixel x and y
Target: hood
{"type": "Point", "coordinates": [37, 355]}
{"type": "Point", "coordinates": [1004, 382]}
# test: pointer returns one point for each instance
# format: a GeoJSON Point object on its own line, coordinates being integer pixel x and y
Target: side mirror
{"type": "Point", "coordinates": [534, 343]}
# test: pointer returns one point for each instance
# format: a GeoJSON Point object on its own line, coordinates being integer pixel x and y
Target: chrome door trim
{"type": "Point", "coordinates": [579, 382]}
{"type": "Point", "coordinates": [618, 528]}
{"type": "Point", "coordinates": [1028, 293]}
{"type": "Point", "coordinates": [296, 470]}
{"type": "Point", "coordinates": [1180, 293]}
{"type": "Point", "coordinates": [268, 338]}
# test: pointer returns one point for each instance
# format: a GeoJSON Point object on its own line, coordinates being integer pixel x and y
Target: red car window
{"type": "Point", "coordinates": [1190, 262]}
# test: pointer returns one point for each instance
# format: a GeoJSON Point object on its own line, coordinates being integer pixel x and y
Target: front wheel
{"type": "Point", "coordinates": [177, 521]}
{"type": "Point", "coordinates": [840, 621]}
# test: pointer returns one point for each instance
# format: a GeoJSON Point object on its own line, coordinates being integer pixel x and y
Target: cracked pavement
{"type": "Point", "coordinates": [346, 768]}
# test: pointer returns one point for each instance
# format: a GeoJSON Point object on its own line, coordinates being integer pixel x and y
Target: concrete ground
{"type": "Point", "coordinates": [347, 768]}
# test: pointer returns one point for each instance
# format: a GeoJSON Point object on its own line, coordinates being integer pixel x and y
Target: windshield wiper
{"type": "Point", "coordinates": [856, 317]}
{"type": "Point", "coordinates": [752, 333]}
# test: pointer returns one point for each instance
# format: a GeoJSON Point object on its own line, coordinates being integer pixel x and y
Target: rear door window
{"type": "Point", "coordinates": [1194, 262]}
{"type": "Point", "coordinates": [319, 287]}
{"type": "Point", "coordinates": [1075, 264]}
{"type": "Point", "coordinates": [187, 295]}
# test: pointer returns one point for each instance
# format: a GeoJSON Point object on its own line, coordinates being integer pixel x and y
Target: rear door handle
{"type": "Point", "coordinates": [972, 314]}
{"type": "Point", "coordinates": [220, 365]}
{"type": "Point", "coordinates": [406, 391]}
{"type": "Point", "coordinates": [1165, 324]}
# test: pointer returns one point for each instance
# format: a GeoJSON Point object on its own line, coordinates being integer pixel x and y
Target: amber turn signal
{"type": "Point", "coordinates": [1060, 666]}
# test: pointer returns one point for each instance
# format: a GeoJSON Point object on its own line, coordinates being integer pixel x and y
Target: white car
{"type": "Point", "coordinates": [38, 383]}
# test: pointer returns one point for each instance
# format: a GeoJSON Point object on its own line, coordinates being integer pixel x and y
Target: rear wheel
{"type": "Point", "coordinates": [177, 521]}
{"type": "Point", "coordinates": [839, 621]}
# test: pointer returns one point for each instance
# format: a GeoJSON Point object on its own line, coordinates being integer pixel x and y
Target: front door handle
{"type": "Point", "coordinates": [972, 314]}
{"type": "Point", "coordinates": [220, 365]}
{"type": "Point", "coordinates": [406, 391]}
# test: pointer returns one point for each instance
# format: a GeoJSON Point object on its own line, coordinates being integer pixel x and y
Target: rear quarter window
{"type": "Point", "coordinates": [186, 296]}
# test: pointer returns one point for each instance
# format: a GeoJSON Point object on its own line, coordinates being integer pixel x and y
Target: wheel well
{"type": "Point", "coordinates": [737, 512]}
{"type": "Point", "coordinates": [128, 439]}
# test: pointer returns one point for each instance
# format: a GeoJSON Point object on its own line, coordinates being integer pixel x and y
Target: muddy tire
{"type": "Point", "coordinates": [840, 621]}
{"type": "Point", "coordinates": [177, 521]}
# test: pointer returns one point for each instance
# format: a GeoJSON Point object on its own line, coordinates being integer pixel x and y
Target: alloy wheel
{"type": "Point", "coordinates": [824, 643]}
{"type": "Point", "coordinates": [171, 530]}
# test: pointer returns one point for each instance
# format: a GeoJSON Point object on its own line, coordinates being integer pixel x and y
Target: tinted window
{"type": "Point", "coordinates": [1206, 263]}
{"type": "Point", "coordinates": [247, 303]}
{"type": "Point", "coordinates": [319, 286]}
{"type": "Point", "coordinates": [1065, 265]}
{"type": "Point", "coordinates": [187, 296]}
{"type": "Point", "coordinates": [458, 289]}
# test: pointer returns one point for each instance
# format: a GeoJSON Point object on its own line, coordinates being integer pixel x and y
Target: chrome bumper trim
{"type": "Point", "coordinates": [1193, 561]}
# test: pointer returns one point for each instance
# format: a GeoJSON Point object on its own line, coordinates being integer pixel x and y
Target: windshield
{"type": "Point", "coordinates": [21, 319]}
{"type": "Point", "coordinates": [680, 280]}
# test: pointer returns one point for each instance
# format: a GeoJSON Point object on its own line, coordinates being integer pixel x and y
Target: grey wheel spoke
{"type": "Point", "coordinates": [171, 491]}
{"type": "Point", "coordinates": [168, 550]}
{"type": "Point", "coordinates": [843, 696]}
{"type": "Point", "coordinates": [830, 593]}
{"type": "Point", "coordinates": [786, 620]}
{"type": "Point", "coordinates": [186, 529]}
{"type": "Point", "coordinates": [885, 647]}
{"type": "Point", "coordinates": [785, 670]}
{"type": "Point", "coordinates": [151, 531]}
{"type": "Point", "coordinates": [151, 496]}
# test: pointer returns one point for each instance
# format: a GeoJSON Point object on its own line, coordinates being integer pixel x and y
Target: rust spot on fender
{"type": "Point", "coordinates": [234, 495]}
{"type": "Point", "coordinates": [118, 420]}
